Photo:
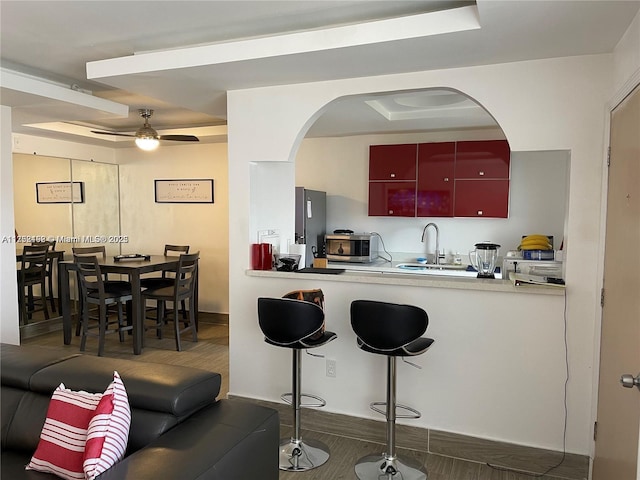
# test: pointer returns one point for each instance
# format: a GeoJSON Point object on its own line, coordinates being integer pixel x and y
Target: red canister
{"type": "Point", "coordinates": [266, 256]}
{"type": "Point", "coordinates": [256, 258]}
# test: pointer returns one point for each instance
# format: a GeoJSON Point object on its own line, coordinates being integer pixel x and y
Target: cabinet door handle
{"type": "Point", "coordinates": [390, 212]}
{"type": "Point", "coordinates": [446, 179]}
{"type": "Point", "coordinates": [393, 175]}
{"type": "Point", "coordinates": [479, 213]}
{"type": "Point", "coordinates": [481, 173]}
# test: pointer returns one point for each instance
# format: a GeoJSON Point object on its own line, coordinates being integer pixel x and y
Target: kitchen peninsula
{"type": "Point", "coordinates": [498, 359]}
{"type": "Point", "coordinates": [390, 274]}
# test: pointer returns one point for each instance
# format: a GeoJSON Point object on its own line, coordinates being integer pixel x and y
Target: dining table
{"type": "Point", "coordinates": [133, 268]}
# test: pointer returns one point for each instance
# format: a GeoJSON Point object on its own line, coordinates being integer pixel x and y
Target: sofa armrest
{"type": "Point", "coordinates": [230, 440]}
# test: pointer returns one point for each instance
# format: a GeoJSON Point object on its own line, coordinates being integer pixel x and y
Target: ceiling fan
{"type": "Point", "coordinates": [146, 137]}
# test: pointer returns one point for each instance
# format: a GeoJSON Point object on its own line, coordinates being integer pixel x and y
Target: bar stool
{"type": "Point", "coordinates": [295, 324]}
{"type": "Point", "coordinates": [32, 272]}
{"type": "Point", "coordinates": [49, 270]}
{"type": "Point", "coordinates": [395, 331]}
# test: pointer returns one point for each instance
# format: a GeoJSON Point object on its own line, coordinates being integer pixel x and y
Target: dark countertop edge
{"type": "Point", "coordinates": [432, 281]}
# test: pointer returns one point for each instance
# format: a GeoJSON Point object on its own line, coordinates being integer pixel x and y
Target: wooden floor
{"type": "Point", "coordinates": [211, 352]}
{"type": "Point", "coordinates": [345, 452]}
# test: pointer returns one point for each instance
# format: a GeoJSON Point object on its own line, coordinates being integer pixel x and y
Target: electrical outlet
{"type": "Point", "coordinates": [331, 368]}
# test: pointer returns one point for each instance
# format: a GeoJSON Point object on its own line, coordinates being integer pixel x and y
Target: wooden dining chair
{"type": "Point", "coordinates": [167, 279]}
{"type": "Point", "coordinates": [101, 252]}
{"type": "Point", "coordinates": [95, 291]}
{"type": "Point", "coordinates": [49, 274]}
{"type": "Point", "coordinates": [33, 271]}
{"type": "Point", "coordinates": [168, 276]}
{"type": "Point", "coordinates": [182, 290]}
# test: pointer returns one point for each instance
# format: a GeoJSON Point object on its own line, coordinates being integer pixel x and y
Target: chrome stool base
{"type": "Point", "coordinates": [298, 456]}
{"type": "Point", "coordinates": [381, 467]}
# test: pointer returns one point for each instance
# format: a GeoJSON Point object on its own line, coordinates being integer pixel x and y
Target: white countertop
{"type": "Point", "coordinates": [382, 272]}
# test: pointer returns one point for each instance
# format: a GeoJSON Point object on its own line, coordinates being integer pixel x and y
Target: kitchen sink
{"type": "Point", "coordinates": [429, 266]}
{"type": "Point", "coordinates": [437, 270]}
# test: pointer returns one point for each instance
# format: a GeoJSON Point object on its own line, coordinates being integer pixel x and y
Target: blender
{"type": "Point", "coordinates": [484, 259]}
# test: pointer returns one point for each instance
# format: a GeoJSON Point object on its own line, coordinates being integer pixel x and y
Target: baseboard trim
{"type": "Point", "coordinates": [216, 318]}
{"type": "Point", "coordinates": [40, 327]}
{"type": "Point", "coordinates": [474, 449]}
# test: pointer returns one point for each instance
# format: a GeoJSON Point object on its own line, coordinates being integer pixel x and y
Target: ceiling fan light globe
{"type": "Point", "coordinates": [147, 143]}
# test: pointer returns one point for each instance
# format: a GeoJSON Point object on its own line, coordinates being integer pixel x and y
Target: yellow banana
{"type": "Point", "coordinates": [535, 239]}
{"type": "Point", "coordinates": [536, 246]}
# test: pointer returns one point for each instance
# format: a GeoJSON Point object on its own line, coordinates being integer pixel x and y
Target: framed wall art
{"type": "Point", "coordinates": [184, 191]}
{"type": "Point", "coordinates": [60, 192]}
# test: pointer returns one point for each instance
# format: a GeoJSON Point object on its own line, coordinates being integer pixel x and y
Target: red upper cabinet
{"type": "Point", "coordinates": [392, 199]}
{"type": "Point", "coordinates": [482, 179]}
{"type": "Point", "coordinates": [392, 162]}
{"type": "Point", "coordinates": [482, 198]}
{"type": "Point", "coordinates": [436, 170]}
{"type": "Point", "coordinates": [482, 159]}
{"type": "Point", "coordinates": [449, 179]}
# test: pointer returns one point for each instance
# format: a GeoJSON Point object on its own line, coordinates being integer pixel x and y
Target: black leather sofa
{"type": "Point", "coordinates": [178, 428]}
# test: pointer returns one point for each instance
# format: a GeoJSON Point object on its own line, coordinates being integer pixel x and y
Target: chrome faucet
{"type": "Point", "coordinates": [424, 231]}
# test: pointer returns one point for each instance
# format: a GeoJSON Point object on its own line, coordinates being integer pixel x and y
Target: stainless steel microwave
{"type": "Point", "coordinates": [355, 248]}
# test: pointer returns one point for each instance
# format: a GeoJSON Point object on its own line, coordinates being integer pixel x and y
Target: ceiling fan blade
{"type": "Point", "coordinates": [113, 133]}
{"type": "Point", "coordinates": [179, 138]}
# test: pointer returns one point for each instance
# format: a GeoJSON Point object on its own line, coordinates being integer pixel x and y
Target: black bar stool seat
{"type": "Point", "coordinates": [307, 342]}
{"type": "Point", "coordinates": [298, 325]}
{"type": "Point", "coordinates": [394, 331]}
{"type": "Point", "coordinates": [417, 347]}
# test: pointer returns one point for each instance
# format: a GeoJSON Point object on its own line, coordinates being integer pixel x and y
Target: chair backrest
{"type": "Point", "coordinates": [50, 243]}
{"type": "Point", "coordinates": [387, 326]}
{"type": "Point", "coordinates": [316, 296]}
{"type": "Point", "coordinates": [90, 251]}
{"type": "Point", "coordinates": [176, 248]}
{"type": "Point", "coordinates": [186, 274]}
{"type": "Point", "coordinates": [168, 250]}
{"type": "Point", "coordinates": [34, 260]}
{"type": "Point", "coordinates": [89, 274]}
{"type": "Point", "coordinates": [285, 321]}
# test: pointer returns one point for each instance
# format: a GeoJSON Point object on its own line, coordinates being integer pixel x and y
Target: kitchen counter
{"type": "Point", "coordinates": [382, 272]}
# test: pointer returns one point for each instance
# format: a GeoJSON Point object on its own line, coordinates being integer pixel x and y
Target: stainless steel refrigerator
{"type": "Point", "coordinates": [311, 221]}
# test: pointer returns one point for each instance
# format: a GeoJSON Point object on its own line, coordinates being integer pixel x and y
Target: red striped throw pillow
{"type": "Point", "coordinates": [108, 430]}
{"type": "Point", "coordinates": [62, 441]}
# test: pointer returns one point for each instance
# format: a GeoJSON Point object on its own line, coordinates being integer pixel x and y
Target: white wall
{"type": "Point", "coordinates": [339, 166]}
{"type": "Point", "coordinates": [626, 58]}
{"type": "Point", "coordinates": [32, 145]}
{"type": "Point", "coordinates": [204, 227]}
{"type": "Point", "coordinates": [555, 104]}
{"type": "Point", "coordinates": [263, 196]}
{"type": "Point", "coordinates": [31, 218]}
{"type": "Point", "coordinates": [9, 330]}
